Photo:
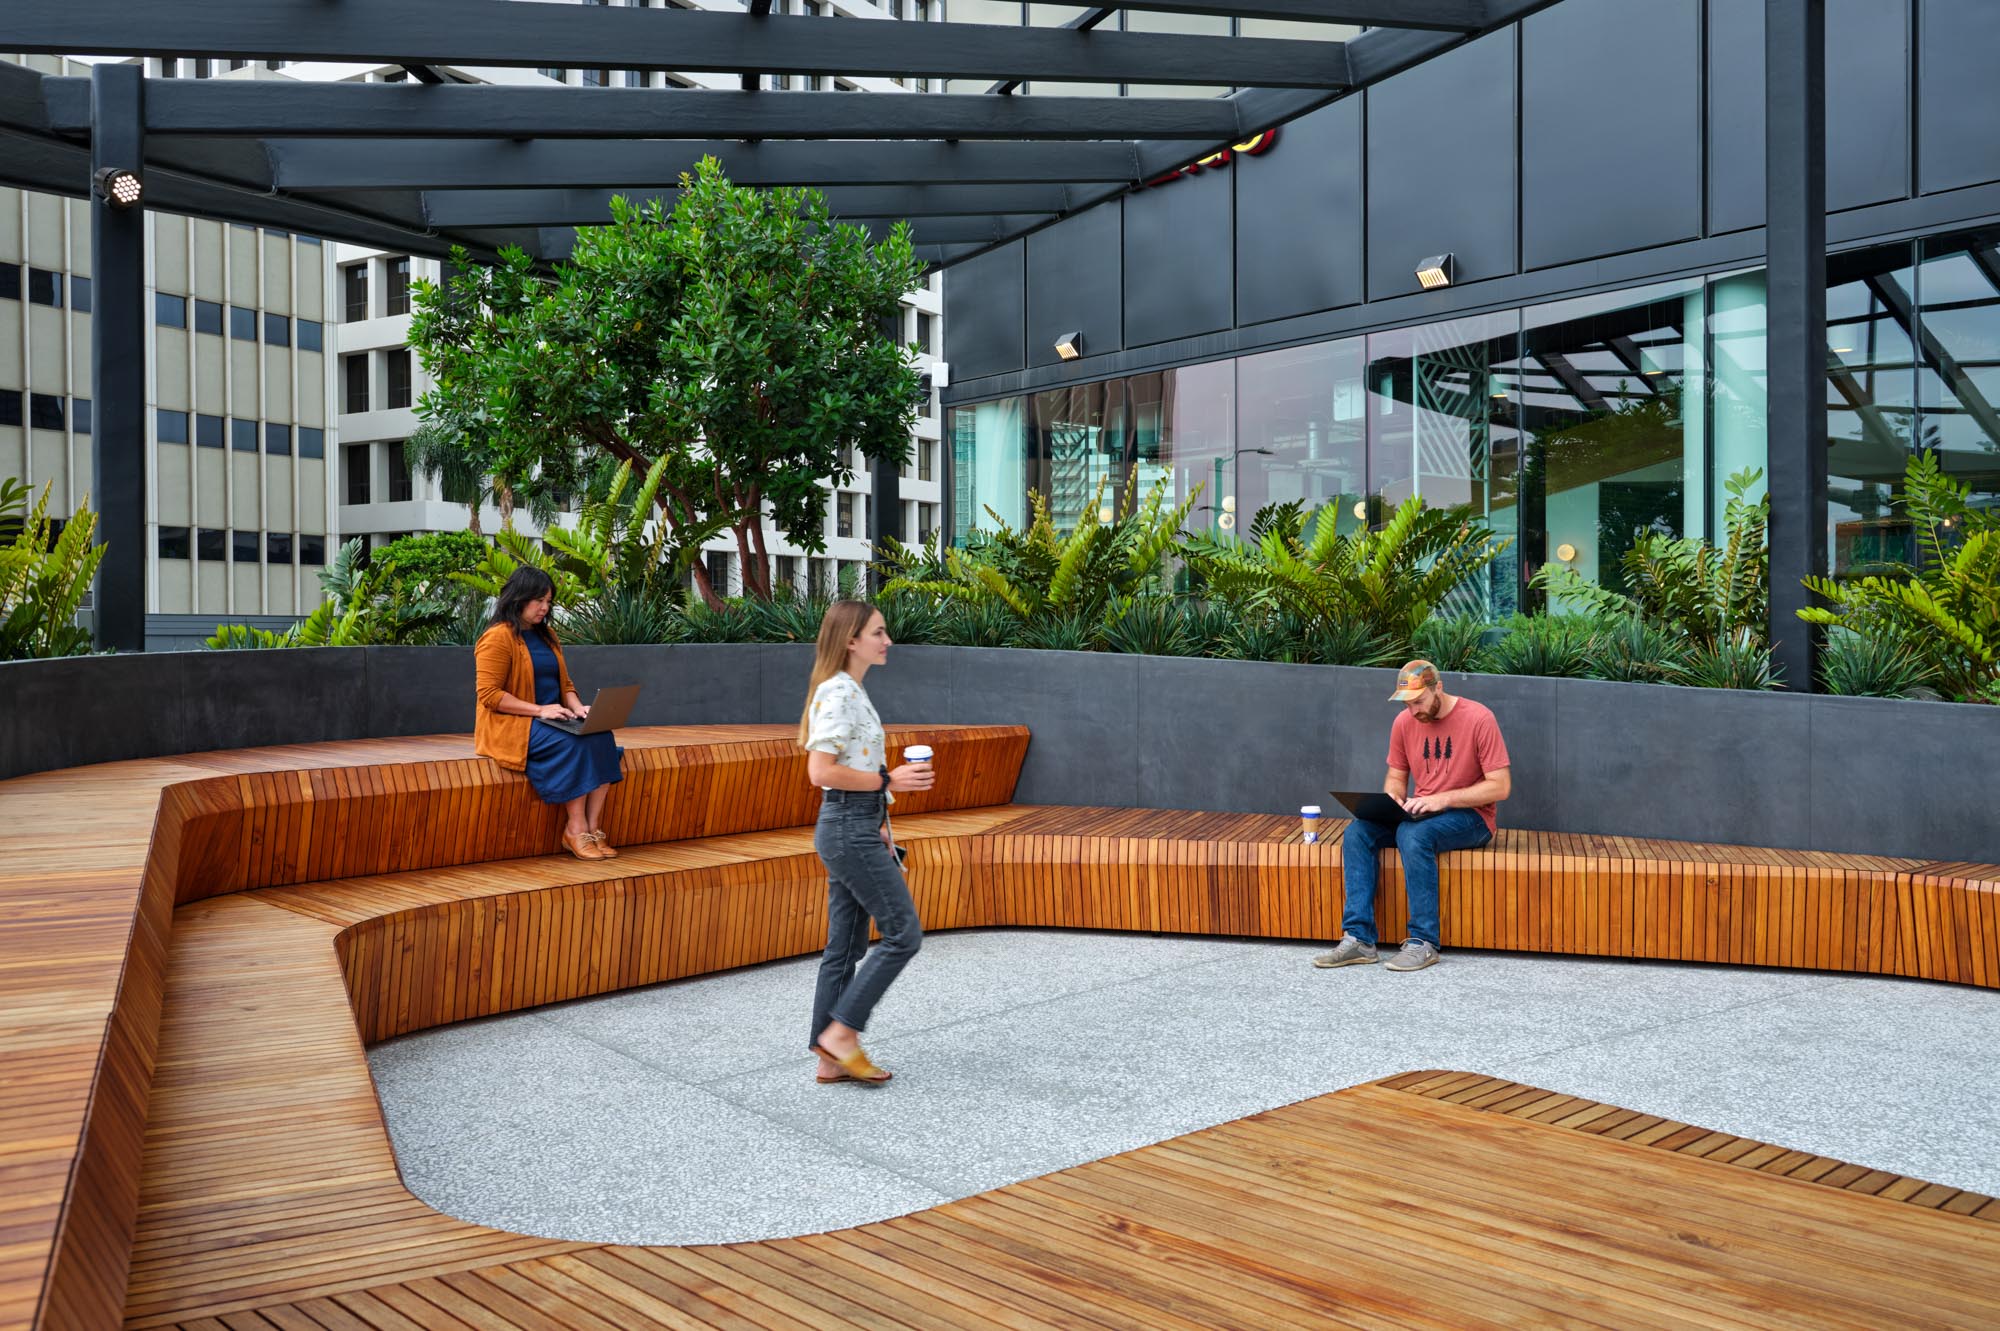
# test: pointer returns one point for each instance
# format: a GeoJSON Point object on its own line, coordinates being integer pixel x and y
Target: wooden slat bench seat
{"type": "Point", "coordinates": [347, 879]}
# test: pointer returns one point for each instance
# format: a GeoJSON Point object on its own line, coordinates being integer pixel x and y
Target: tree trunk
{"type": "Point", "coordinates": [757, 542]}
{"type": "Point", "coordinates": [704, 586]}
{"type": "Point", "coordinates": [473, 509]}
{"type": "Point", "coordinates": [506, 507]}
{"type": "Point", "coordinates": [749, 563]}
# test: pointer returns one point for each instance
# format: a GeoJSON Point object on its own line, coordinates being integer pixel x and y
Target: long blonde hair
{"type": "Point", "coordinates": [843, 623]}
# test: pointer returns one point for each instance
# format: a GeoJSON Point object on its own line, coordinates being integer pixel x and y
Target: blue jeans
{"type": "Point", "coordinates": [862, 880]}
{"type": "Point", "coordinates": [1419, 843]}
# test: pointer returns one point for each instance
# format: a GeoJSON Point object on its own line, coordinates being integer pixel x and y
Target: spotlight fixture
{"type": "Point", "coordinates": [1227, 522]}
{"type": "Point", "coordinates": [1105, 514]}
{"type": "Point", "coordinates": [117, 186]}
{"type": "Point", "coordinates": [1069, 345]}
{"type": "Point", "coordinates": [1566, 552]}
{"type": "Point", "coordinates": [1436, 271]}
{"type": "Point", "coordinates": [1361, 509]}
{"type": "Point", "coordinates": [1229, 503]}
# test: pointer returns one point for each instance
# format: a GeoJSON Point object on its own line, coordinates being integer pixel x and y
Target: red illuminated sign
{"type": "Point", "coordinates": [1252, 147]}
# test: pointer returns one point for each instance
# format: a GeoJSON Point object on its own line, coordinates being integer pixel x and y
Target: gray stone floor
{"type": "Point", "coordinates": [688, 1113]}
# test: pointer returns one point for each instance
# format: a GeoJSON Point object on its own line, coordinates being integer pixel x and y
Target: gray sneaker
{"type": "Point", "coordinates": [1350, 951]}
{"type": "Point", "coordinates": [1416, 955]}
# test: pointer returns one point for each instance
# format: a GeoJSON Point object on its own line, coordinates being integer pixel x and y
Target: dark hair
{"type": "Point", "coordinates": [528, 584]}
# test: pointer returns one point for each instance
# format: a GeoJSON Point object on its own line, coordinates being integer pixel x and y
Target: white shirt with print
{"type": "Point", "coordinates": [845, 725]}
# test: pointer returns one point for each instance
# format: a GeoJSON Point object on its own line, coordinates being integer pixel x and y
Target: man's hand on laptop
{"type": "Point", "coordinates": [1420, 805]}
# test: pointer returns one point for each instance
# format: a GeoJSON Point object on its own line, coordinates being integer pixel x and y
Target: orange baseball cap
{"type": "Point", "coordinates": [1413, 679]}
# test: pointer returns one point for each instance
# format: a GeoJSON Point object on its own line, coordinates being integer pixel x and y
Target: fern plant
{"type": "Point", "coordinates": [1387, 580]}
{"type": "Point", "coordinates": [1946, 609]}
{"type": "Point", "coordinates": [42, 584]}
{"type": "Point", "coordinates": [1707, 594]}
{"type": "Point", "coordinates": [510, 551]}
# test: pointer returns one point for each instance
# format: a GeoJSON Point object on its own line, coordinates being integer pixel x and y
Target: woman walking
{"type": "Point", "coordinates": [523, 682]}
{"type": "Point", "coordinates": [846, 757]}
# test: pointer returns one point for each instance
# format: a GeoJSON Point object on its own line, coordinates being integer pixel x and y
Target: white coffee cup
{"type": "Point", "coordinates": [1309, 820]}
{"type": "Point", "coordinates": [917, 753]}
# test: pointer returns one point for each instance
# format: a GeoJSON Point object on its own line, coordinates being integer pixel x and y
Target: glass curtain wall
{"type": "Point", "coordinates": [1183, 428]}
{"type": "Point", "coordinates": [1958, 374]}
{"type": "Point", "coordinates": [1302, 431]}
{"type": "Point", "coordinates": [1079, 443]}
{"type": "Point", "coordinates": [1871, 407]}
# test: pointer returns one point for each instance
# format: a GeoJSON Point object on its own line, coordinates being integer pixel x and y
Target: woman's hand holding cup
{"type": "Point", "coordinates": [916, 773]}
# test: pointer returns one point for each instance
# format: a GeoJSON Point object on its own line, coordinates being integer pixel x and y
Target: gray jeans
{"type": "Point", "coordinates": [862, 881]}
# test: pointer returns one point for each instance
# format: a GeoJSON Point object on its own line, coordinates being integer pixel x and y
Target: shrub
{"type": "Point", "coordinates": [1451, 642]}
{"type": "Point", "coordinates": [1627, 648]}
{"type": "Point", "coordinates": [1557, 646]}
{"type": "Point", "coordinates": [1056, 633]}
{"type": "Point", "coordinates": [1149, 626]}
{"type": "Point", "coordinates": [1259, 635]}
{"type": "Point", "coordinates": [41, 584]}
{"type": "Point", "coordinates": [1351, 645]}
{"type": "Point", "coordinates": [731, 621]}
{"type": "Point", "coordinates": [912, 618]}
{"type": "Point", "coordinates": [624, 615]}
{"type": "Point", "coordinates": [1739, 661]}
{"type": "Point", "coordinates": [1857, 665]}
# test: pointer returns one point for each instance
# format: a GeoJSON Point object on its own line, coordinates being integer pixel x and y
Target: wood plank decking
{"type": "Point", "coordinates": [264, 1181]}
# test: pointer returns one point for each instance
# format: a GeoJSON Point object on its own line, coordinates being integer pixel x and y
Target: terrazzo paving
{"type": "Point", "coordinates": [687, 1112]}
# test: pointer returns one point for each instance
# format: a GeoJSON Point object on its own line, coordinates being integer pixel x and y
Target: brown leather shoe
{"type": "Point", "coordinates": [583, 847]}
{"type": "Point", "coordinates": [605, 849]}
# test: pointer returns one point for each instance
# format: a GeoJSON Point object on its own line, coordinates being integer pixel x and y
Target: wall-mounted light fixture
{"type": "Point", "coordinates": [1069, 345]}
{"type": "Point", "coordinates": [1229, 503]}
{"type": "Point", "coordinates": [1105, 514]}
{"type": "Point", "coordinates": [1361, 509]}
{"type": "Point", "coordinates": [117, 186]}
{"type": "Point", "coordinates": [1566, 552]}
{"type": "Point", "coordinates": [1436, 271]}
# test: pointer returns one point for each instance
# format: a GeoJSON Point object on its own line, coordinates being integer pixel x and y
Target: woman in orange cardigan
{"type": "Point", "coordinates": [524, 682]}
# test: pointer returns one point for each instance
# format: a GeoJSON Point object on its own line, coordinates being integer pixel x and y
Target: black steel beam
{"type": "Point", "coordinates": [1084, 22]}
{"type": "Point", "coordinates": [1795, 300]}
{"type": "Point", "coordinates": [118, 344]}
{"type": "Point", "coordinates": [507, 33]}
{"type": "Point", "coordinates": [437, 164]}
{"type": "Point", "coordinates": [1443, 15]}
{"type": "Point", "coordinates": [281, 108]}
{"type": "Point", "coordinates": [956, 230]}
{"type": "Point", "coordinates": [489, 208]}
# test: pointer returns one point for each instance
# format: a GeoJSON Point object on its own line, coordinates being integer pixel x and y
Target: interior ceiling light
{"type": "Point", "coordinates": [1566, 552]}
{"type": "Point", "coordinates": [118, 187]}
{"type": "Point", "coordinates": [1069, 345]}
{"type": "Point", "coordinates": [1436, 271]}
{"type": "Point", "coordinates": [1361, 509]}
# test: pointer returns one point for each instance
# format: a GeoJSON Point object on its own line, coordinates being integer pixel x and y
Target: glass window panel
{"type": "Point", "coordinates": [312, 442]}
{"type": "Point", "coordinates": [1182, 425]}
{"type": "Point", "coordinates": [1959, 378]}
{"type": "Point", "coordinates": [80, 414]}
{"type": "Point", "coordinates": [208, 431]}
{"type": "Point", "coordinates": [1288, 30]}
{"type": "Point", "coordinates": [242, 324]}
{"type": "Point", "coordinates": [311, 336]}
{"type": "Point", "coordinates": [10, 281]}
{"type": "Point", "coordinates": [1738, 403]}
{"type": "Point", "coordinates": [174, 543]}
{"type": "Point", "coordinates": [173, 427]}
{"type": "Point", "coordinates": [169, 311]}
{"type": "Point", "coordinates": [243, 435]}
{"type": "Point", "coordinates": [277, 438]}
{"type": "Point", "coordinates": [45, 287]}
{"type": "Point", "coordinates": [354, 291]}
{"type": "Point", "coordinates": [208, 317]}
{"type": "Point", "coordinates": [312, 549]}
{"type": "Point", "coordinates": [80, 295]}
{"type": "Point", "coordinates": [396, 285]}
{"type": "Point", "coordinates": [989, 447]}
{"type": "Point", "coordinates": [45, 411]}
{"type": "Point", "coordinates": [278, 548]}
{"type": "Point", "coordinates": [1871, 397]}
{"type": "Point", "coordinates": [1301, 432]}
{"type": "Point", "coordinates": [277, 330]}
{"type": "Point", "coordinates": [243, 547]}
{"type": "Point", "coordinates": [1077, 445]}
{"type": "Point", "coordinates": [209, 544]}
{"type": "Point", "coordinates": [357, 473]}
{"type": "Point", "coordinates": [1442, 424]}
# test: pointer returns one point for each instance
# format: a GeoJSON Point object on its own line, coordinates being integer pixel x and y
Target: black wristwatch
{"type": "Point", "coordinates": [883, 789]}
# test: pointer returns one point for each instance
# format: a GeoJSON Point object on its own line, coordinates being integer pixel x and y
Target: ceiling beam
{"type": "Point", "coordinates": [447, 164]}
{"type": "Point", "coordinates": [506, 33]}
{"type": "Point", "coordinates": [277, 108]}
{"type": "Point", "coordinates": [1084, 22]}
{"type": "Point", "coordinates": [570, 207]}
{"type": "Point", "coordinates": [1442, 15]}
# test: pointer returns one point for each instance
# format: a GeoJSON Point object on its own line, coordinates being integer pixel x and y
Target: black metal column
{"type": "Point", "coordinates": [1795, 234]}
{"type": "Point", "coordinates": [118, 362]}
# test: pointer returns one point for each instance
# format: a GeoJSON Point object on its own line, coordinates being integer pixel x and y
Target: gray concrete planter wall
{"type": "Point", "coordinates": [1844, 774]}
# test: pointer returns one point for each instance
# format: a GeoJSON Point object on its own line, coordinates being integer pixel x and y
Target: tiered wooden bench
{"type": "Point", "coordinates": [332, 895]}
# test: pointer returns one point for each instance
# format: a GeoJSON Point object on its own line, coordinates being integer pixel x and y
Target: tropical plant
{"type": "Point", "coordinates": [245, 637]}
{"type": "Point", "coordinates": [1056, 633]}
{"type": "Point", "coordinates": [725, 621]}
{"type": "Point", "coordinates": [510, 550]}
{"type": "Point", "coordinates": [1858, 665]}
{"type": "Point", "coordinates": [42, 583]}
{"type": "Point", "coordinates": [978, 624]}
{"type": "Point", "coordinates": [1555, 646]}
{"type": "Point", "coordinates": [1739, 661]}
{"type": "Point", "coordinates": [1450, 642]}
{"type": "Point", "coordinates": [788, 619]}
{"type": "Point", "coordinates": [437, 450]}
{"type": "Point", "coordinates": [624, 614]}
{"type": "Point", "coordinates": [1259, 635]}
{"type": "Point", "coordinates": [1351, 644]}
{"type": "Point", "coordinates": [738, 338]}
{"type": "Point", "coordinates": [1085, 572]}
{"type": "Point", "coordinates": [619, 541]}
{"type": "Point", "coordinates": [1387, 579]}
{"type": "Point", "coordinates": [1946, 609]}
{"type": "Point", "coordinates": [1684, 584]}
{"type": "Point", "coordinates": [1627, 648]}
{"type": "Point", "coordinates": [1148, 626]}
{"type": "Point", "coordinates": [914, 619]}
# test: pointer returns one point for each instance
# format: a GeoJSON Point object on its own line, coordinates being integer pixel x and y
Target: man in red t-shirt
{"type": "Point", "coordinates": [1453, 747]}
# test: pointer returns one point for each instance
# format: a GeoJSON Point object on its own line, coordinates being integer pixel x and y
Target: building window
{"type": "Point", "coordinates": [355, 370]}
{"type": "Point", "coordinates": [173, 427]}
{"type": "Point", "coordinates": [311, 335]}
{"type": "Point", "coordinates": [170, 311]}
{"type": "Point", "coordinates": [312, 550]}
{"type": "Point", "coordinates": [307, 240]}
{"type": "Point", "coordinates": [209, 545]}
{"type": "Point", "coordinates": [243, 435]}
{"type": "Point", "coordinates": [79, 294]}
{"type": "Point", "coordinates": [926, 452]}
{"type": "Point", "coordinates": [10, 406]}
{"type": "Point", "coordinates": [926, 522]}
{"type": "Point", "coordinates": [396, 290]}
{"type": "Point", "coordinates": [45, 287]}
{"type": "Point", "coordinates": [277, 331]}
{"type": "Point", "coordinates": [718, 570]}
{"type": "Point", "coordinates": [396, 387]}
{"type": "Point", "coordinates": [10, 281]}
{"type": "Point", "coordinates": [208, 317]}
{"type": "Point", "coordinates": [357, 456]}
{"type": "Point", "coordinates": [354, 287]}
{"type": "Point", "coordinates": [278, 439]}
{"type": "Point", "coordinates": [635, 78]}
{"type": "Point", "coordinates": [45, 411]}
{"type": "Point", "coordinates": [208, 431]}
{"type": "Point", "coordinates": [596, 78]}
{"type": "Point", "coordinates": [243, 546]}
{"type": "Point", "coordinates": [924, 330]}
{"type": "Point", "coordinates": [278, 547]}
{"type": "Point", "coordinates": [242, 324]}
{"type": "Point", "coordinates": [312, 442]}
{"type": "Point", "coordinates": [843, 514]}
{"type": "Point", "coordinates": [80, 414]}
{"type": "Point", "coordinates": [173, 542]}
{"type": "Point", "coordinates": [399, 473]}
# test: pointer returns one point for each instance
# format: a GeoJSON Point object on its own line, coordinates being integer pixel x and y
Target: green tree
{"type": "Point", "coordinates": [738, 338]}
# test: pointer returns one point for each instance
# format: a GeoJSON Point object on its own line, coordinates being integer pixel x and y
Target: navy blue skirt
{"type": "Point", "coordinates": [562, 766]}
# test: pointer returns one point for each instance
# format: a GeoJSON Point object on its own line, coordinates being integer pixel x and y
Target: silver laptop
{"type": "Point", "coordinates": [610, 709]}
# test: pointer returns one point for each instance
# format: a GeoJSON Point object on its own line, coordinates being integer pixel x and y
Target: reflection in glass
{"type": "Point", "coordinates": [989, 466]}
{"type": "Point", "coordinates": [1301, 430]}
{"type": "Point", "coordinates": [1738, 394]}
{"type": "Point", "coordinates": [1182, 427]}
{"type": "Point", "coordinates": [1958, 376]}
{"type": "Point", "coordinates": [1079, 441]}
{"type": "Point", "coordinates": [1871, 417]}
{"type": "Point", "coordinates": [1441, 425]}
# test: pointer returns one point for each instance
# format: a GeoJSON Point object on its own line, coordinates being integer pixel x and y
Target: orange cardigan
{"type": "Point", "coordinates": [502, 665]}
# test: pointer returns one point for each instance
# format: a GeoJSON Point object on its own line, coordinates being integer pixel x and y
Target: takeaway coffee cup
{"type": "Point", "coordinates": [1309, 821]}
{"type": "Point", "coordinates": [917, 753]}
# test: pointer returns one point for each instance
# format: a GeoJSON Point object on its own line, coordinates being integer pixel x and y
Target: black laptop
{"type": "Point", "coordinates": [1376, 807]}
{"type": "Point", "coordinates": [610, 709]}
